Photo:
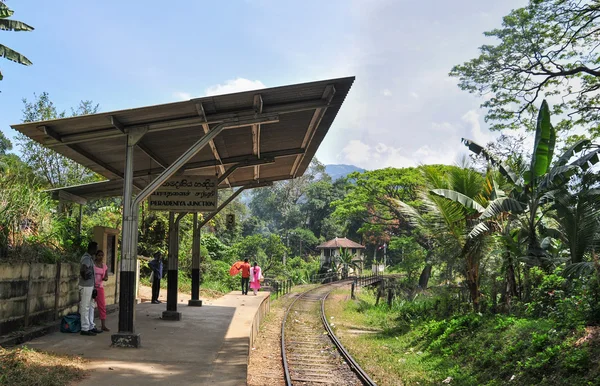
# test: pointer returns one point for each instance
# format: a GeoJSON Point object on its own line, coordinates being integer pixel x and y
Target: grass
{"type": "Point", "coordinates": [469, 349]}
{"type": "Point", "coordinates": [27, 367]}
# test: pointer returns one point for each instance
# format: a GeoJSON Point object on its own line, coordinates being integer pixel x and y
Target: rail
{"type": "Point", "coordinates": [351, 362]}
{"type": "Point", "coordinates": [353, 365]}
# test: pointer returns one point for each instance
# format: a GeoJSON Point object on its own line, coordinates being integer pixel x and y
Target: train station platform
{"type": "Point", "coordinates": [210, 345]}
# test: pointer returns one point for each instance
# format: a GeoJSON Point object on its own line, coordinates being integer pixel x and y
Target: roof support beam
{"type": "Point", "coordinates": [213, 148]}
{"type": "Point", "coordinates": [123, 129]}
{"type": "Point", "coordinates": [66, 196]}
{"type": "Point", "coordinates": [327, 97]}
{"type": "Point", "coordinates": [153, 156]}
{"type": "Point", "coordinates": [117, 124]}
{"type": "Point", "coordinates": [258, 107]}
{"type": "Point", "coordinates": [245, 164]}
{"type": "Point", "coordinates": [192, 151]}
{"type": "Point", "coordinates": [226, 161]}
{"type": "Point", "coordinates": [108, 133]}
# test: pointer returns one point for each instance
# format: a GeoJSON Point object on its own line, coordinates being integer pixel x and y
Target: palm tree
{"type": "Point", "coordinates": [11, 25]}
{"type": "Point", "coordinates": [450, 210]}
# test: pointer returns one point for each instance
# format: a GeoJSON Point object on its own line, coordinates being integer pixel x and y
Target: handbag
{"type": "Point", "coordinates": [94, 291]}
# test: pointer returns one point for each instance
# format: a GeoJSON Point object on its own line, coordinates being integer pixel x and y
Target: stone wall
{"type": "Point", "coordinates": [33, 294]}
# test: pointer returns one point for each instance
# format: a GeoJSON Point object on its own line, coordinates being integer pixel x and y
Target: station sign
{"type": "Point", "coordinates": [186, 194]}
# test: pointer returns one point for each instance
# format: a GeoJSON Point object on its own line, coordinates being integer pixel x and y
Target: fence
{"type": "Point", "coordinates": [365, 280]}
{"type": "Point", "coordinates": [280, 287]}
{"type": "Point", "coordinates": [34, 294]}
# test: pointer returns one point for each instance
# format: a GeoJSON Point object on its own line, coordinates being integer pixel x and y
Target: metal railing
{"type": "Point", "coordinates": [279, 287]}
{"type": "Point", "coordinates": [365, 280]}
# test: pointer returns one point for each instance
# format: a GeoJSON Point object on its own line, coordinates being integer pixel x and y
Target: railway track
{"type": "Point", "coordinates": [311, 353]}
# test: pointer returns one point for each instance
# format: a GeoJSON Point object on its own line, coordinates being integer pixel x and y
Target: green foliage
{"type": "Point", "coordinates": [267, 251]}
{"type": "Point", "coordinates": [478, 349]}
{"type": "Point", "coordinates": [11, 25]}
{"type": "Point", "coordinates": [540, 50]}
{"type": "Point", "coordinates": [52, 168]}
{"type": "Point", "coordinates": [5, 144]}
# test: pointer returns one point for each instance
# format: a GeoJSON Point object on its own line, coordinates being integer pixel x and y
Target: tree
{"type": "Point", "coordinates": [372, 202]}
{"type": "Point", "coordinates": [280, 205]}
{"type": "Point", "coordinates": [53, 168]}
{"type": "Point", "coordinates": [11, 25]}
{"type": "Point", "coordinates": [5, 144]}
{"type": "Point", "coordinates": [547, 48]}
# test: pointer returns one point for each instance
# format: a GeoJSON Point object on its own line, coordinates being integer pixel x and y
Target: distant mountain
{"type": "Point", "coordinates": [339, 171]}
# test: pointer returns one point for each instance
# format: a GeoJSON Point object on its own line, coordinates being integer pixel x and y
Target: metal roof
{"type": "Point", "coordinates": [296, 119]}
{"type": "Point", "coordinates": [340, 243]}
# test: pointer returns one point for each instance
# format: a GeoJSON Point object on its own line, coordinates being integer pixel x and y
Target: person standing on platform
{"type": "Point", "coordinates": [86, 288]}
{"type": "Point", "coordinates": [157, 270]}
{"type": "Point", "coordinates": [101, 272]}
{"type": "Point", "coordinates": [255, 277]}
{"type": "Point", "coordinates": [245, 276]}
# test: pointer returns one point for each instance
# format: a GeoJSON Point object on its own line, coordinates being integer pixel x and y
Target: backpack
{"type": "Point", "coordinates": [70, 323]}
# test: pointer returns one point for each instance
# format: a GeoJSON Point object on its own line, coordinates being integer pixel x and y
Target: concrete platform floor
{"type": "Point", "coordinates": [209, 345]}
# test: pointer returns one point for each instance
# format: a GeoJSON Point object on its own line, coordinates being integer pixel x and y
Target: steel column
{"type": "Point", "coordinates": [126, 336]}
{"type": "Point", "coordinates": [173, 271]}
{"type": "Point", "coordinates": [196, 238]}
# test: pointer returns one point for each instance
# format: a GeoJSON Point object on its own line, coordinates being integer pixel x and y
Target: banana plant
{"type": "Point", "coordinates": [11, 25]}
{"type": "Point", "coordinates": [538, 186]}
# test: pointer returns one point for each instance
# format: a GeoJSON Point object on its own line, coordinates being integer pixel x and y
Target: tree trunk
{"type": "Point", "coordinates": [425, 275]}
{"type": "Point", "coordinates": [473, 280]}
{"type": "Point", "coordinates": [511, 282]}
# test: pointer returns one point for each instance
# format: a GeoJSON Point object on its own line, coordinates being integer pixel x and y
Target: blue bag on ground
{"type": "Point", "coordinates": [70, 323]}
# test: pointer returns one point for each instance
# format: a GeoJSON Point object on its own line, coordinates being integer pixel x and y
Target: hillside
{"type": "Point", "coordinates": [339, 171]}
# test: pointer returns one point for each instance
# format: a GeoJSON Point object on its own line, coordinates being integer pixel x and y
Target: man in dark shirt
{"type": "Point", "coordinates": [245, 277]}
{"type": "Point", "coordinates": [157, 271]}
{"type": "Point", "coordinates": [86, 287]}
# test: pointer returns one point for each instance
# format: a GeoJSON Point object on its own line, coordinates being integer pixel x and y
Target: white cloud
{"type": "Point", "coordinates": [477, 133]}
{"type": "Point", "coordinates": [356, 152]}
{"type": "Point", "coordinates": [233, 86]}
{"type": "Point", "coordinates": [414, 95]}
{"type": "Point", "coordinates": [381, 155]}
{"type": "Point", "coordinates": [387, 92]}
{"type": "Point", "coordinates": [229, 87]}
{"type": "Point", "coordinates": [181, 95]}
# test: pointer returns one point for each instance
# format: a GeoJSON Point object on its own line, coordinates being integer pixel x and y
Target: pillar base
{"type": "Point", "coordinates": [195, 303]}
{"type": "Point", "coordinates": [126, 340]}
{"type": "Point", "coordinates": [171, 315]}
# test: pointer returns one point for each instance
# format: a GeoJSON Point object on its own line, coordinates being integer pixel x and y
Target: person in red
{"type": "Point", "coordinates": [245, 277]}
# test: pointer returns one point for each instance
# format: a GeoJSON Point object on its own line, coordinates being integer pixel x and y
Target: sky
{"type": "Point", "coordinates": [403, 110]}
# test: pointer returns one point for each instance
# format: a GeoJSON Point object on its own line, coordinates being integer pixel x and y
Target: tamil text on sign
{"type": "Point", "coordinates": [186, 194]}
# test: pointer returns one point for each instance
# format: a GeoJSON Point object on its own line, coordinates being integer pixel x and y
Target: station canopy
{"type": "Point", "coordinates": [294, 121]}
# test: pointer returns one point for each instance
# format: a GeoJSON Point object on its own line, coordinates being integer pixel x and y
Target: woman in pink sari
{"type": "Point", "coordinates": [255, 276]}
{"type": "Point", "coordinates": [101, 272]}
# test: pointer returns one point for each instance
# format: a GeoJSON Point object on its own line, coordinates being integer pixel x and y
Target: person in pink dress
{"type": "Point", "coordinates": [101, 275]}
{"type": "Point", "coordinates": [255, 276]}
